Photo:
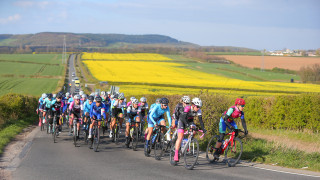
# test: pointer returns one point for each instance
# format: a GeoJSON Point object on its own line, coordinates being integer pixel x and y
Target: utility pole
{"type": "Point", "coordinates": [262, 61]}
{"type": "Point", "coordinates": [64, 51]}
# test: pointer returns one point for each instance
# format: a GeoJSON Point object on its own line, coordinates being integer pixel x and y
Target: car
{"type": "Point", "coordinates": [73, 74]}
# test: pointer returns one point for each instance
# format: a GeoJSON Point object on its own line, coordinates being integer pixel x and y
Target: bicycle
{"type": "Point", "coordinates": [115, 131]}
{"type": "Point", "coordinates": [75, 131]}
{"type": "Point", "coordinates": [86, 129]}
{"type": "Point", "coordinates": [95, 140]}
{"type": "Point", "coordinates": [232, 148]}
{"type": "Point", "coordinates": [157, 141]}
{"type": "Point", "coordinates": [43, 120]}
{"type": "Point", "coordinates": [134, 134]}
{"type": "Point", "coordinates": [189, 149]}
{"type": "Point", "coordinates": [54, 128]}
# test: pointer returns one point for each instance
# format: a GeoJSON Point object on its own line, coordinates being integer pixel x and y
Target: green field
{"type": "Point", "coordinates": [234, 71]}
{"type": "Point", "coordinates": [31, 74]}
{"type": "Point", "coordinates": [257, 53]}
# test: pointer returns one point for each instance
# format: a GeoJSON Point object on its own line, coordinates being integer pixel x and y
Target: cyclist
{"type": "Point", "coordinates": [118, 110]}
{"type": "Point", "coordinates": [97, 110]}
{"type": "Point", "coordinates": [178, 110]}
{"type": "Point", "coordinates": [106, 102]}
{"type": "Point", "coordinates": [46, 106]}
{"type": "Point", "coordinates": [227, 119]}
{"type": "Point", "coordinates": [86, 111]}
{"type": "Point", "coordinates": [186, 120]}
{"type": "Point", "coordinates": [129, 103]}
{"type": "Point", "coordinates": [82, 101]}
{"type": "Point", "coordinates": [132, 115]}
{"type": "Point", "coordinates": [75, 111]}
{"type": "Point", "coordinates": [56, 108]}
{"type": "Point", "coordinates": [151, 107]}
{"type": "Point", "coordinates": [143, 105]}
{"type": "Point", "coordinates": [40, 109]}
{"type": "Point", "coordinates": [156, 117]}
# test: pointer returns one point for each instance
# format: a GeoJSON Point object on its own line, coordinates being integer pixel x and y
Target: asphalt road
{"type": "Point", "coordinates": [42, 159]}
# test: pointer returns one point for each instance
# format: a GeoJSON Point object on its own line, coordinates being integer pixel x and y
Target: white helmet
{"type": "Point", "coordinates": [132, 98]}
{"type": "Point", "coordinates": [67, 94]}
{"type": "Point", "coordinates": [80, 93]}
{"type": "Point", "coordinates": [197, 102]}
{"type": "Point", "coordinates": [108, 92]}
{"type": "Point", "coordinates": [76, 96]}
{"type": "Point", "coordinates": [186, 99]}
{"type": "Point", "coordinates": [121, 96]}
{"type": "Point", "coordinates": [143, 99]}
{"type": "Point", "coordinates": [96, 94]}
{"type": "Point", "coordinates": [92, 94]}
{"type": "Point", "coordinates": [112, 96]}
{"type": "Point", "coordinates": [84, 96]}
{"type": "Point", "coordinates": [44, 95]}
{"type": "Point", "coordinates": [103, 93]}
{"type": "Point", "coordinates": [54, 95]}
{"type": "Point", "coordinates": [135, 101]}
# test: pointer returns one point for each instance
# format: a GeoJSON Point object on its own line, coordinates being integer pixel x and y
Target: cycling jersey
{"type": "Point", "coordinates": [57, 106]}
{"type": "Point", "coordinates": [75, 109]}
{"type": "Point", "coordinates": [186, 118]}
{"type": "Point", "coordinates": [133, 113]}
{"type": "Point", "coordinates": [233, 112]}
{"type": "Point", "coordinates": [65, 102]}
{"type": "Point", "coordinates": [40, 102]}
{"type": "Point", "coordinates": [118, 108]}
{"type": "Point", "coordinates": [227, 119]}
{"type": "Point", "coordinates": [178, 110]}
{"type": "Point", "coordinates": [129, 103]}
{"type": "Point", "coordinates": [47, 104]}
{"type": "Point", "coordinates": [143, 108]}
{"type": "Point", "coordinates": [97, 111]}
{"type": "Point", "coordinates": [156, 115]}
{"type": "Point", "coordinates": [86, 107]}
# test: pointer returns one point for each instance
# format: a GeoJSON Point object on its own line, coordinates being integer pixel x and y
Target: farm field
{"type": "Point", "coordinates": [292, 63]}
{"type": "Point", "coordinates": [30, 74]}
{"type": "Point", "coordinates": [126, 57]}
{"type": "Point", "coordinates": [176, 75]}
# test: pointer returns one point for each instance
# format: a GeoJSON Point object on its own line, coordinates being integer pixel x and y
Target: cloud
{"type": "Point", "coordinates": [28, 4]}
{"type": "Point", "coordinates": [9, 19]}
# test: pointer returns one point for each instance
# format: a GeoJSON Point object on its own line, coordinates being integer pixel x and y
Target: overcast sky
{"type": "Point", "coordinates": [258, 24]}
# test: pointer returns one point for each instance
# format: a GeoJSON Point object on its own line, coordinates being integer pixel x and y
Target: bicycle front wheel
{"type": "Point", "coordinates": [172, 152]}
{"type": "Point", "coordinates": [135, 138]}
{"type": "Point", "coordinates": [96, 139]}
{"type": "Point", "coordinates": [54, 133]}
{"type": "Point", "coordinates": [233, 152]}
{"type": "Point", "coordinates": [211, 147]}
{"type": "Point", "coordinates": [75, 135]}
{"type": "Point", "coordinates": [159, 146]}
{"type": "Point", "coordinates": [191, 154]}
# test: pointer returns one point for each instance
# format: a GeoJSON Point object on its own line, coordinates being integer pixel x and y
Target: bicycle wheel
{"type": "Point", "coordinates": [47, 125]}
{"type": "Point", "coordinates": [135, 138]}
{"type": "Point", "coordinates": [116, 135]}
{"type": "Point", "coordinates": [96, 139]}
{"type": "Point", "coordinates": [233, 152]}
{"type": "Point", "coordinates": [159, 146]}
{"type": "Point", "coordinates": [54, 134]}
{"type": "Point", "coordinates": [191, 154]}
{"type": "Point", "coordinates": [75, 135]}
{"type": "Point", "coordinates": [172, 152]}
{"type": "Point", "coordinates": [85, 136]}
{"type": "Point", "coordinates": [210, 148]}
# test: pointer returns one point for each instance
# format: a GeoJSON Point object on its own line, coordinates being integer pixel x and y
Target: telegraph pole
{"type": "Point", "coordinates": [262, 61]}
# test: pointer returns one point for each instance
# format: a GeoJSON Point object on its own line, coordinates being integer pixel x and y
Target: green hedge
{"type": "Point", "coordinates": [14, 107]}
{"type": "Point", "coordinates": [298, 112]}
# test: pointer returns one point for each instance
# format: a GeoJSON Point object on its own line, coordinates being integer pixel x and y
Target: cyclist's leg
{"type": "Point", "coordinates": [180, 127]}
{"type": "Point", "coordinates": [128, 121]}
{"type": "Point", "coordinates": [120, 119]}
{"type": "Point", "coordinates": [163, 123]}
{"type": "Point", "coordinates": [90, 129]}
{"type": "Point", "coordinates": [222, 132]}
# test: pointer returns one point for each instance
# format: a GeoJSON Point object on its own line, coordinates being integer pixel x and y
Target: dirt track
{"type": "Point", "coordinates": [292, 63]}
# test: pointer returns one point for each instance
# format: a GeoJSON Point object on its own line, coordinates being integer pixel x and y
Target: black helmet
{"type": "Point", "coordinates": [59, 96]}
{"type": "Point", "coordinates": [98, 99]}
{"type": "Point", "coordinates": [164, 101]}
{"type": "Point", "coordinates": [91, 98]}
{"type": "Point", "coordinates": [49, 96]}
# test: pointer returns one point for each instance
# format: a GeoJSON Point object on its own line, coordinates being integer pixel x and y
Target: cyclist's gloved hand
{"type": "Point", "coordinates": [232, 128]}
{"type": "Point", "coordinates": [245, 132]}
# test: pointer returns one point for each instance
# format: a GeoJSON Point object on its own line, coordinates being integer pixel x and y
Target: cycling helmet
{"type": "Point", "coordinates": [98, 99]}
{"type": "Point", "coordinates": [115, 96]}
{"type": "Point", "coordinates": [240, 101]}
{"type": "Point", "coordinates": [81, 93]}
{"type": "Point", "coordinates": [112, 96]}
{"type": "Point", "coordinates": [143, 99]}
{"type": "Point", "coordinates": [135, 101]}
{"type": "Point", "coordinates": [59, 95]}
{"type": "Point", "coordinates": [164, 101]}
{"type": "Point", "coordinates": [76, 96]}
{"type": "Point", "coordinates": [108, 92]}
{"type": "Point", "coordinates": [121, 96]}
{"type": "Point", "coordinates": [49, 96]}
{"type": "Point", "coordinates": [91, 98]}
{"type": "Point", "coordinates": [44, 95]}
{"type": "Point", "coordinates": [186, 99]}
{"type": "Point", "coordinates": [197, 102]}
{"type": "Point", "coordinates": [54, 95]}
{"type": "Point", "coordinates": [103, 93]}
{"type": "Point", "coordinates": [84, 96]}
{"type": "Point", "coordinates": [158, 100]}
{"type": "Point", "coordinates": [96, 94]}
{"type": "Point", "coordinates": [132, 98]}
{"type": "Point", "coordinates": [67, 94]}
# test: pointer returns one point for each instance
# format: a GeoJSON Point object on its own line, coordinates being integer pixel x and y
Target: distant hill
{"type": "Point", "coordinates": [53, 42]}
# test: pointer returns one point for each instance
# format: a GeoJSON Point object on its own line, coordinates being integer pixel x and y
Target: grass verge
{"type": "Point", "coordinates": [11, 130]}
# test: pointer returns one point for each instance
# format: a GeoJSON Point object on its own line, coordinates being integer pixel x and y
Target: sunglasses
{"type": "Point", "coordinates": [165, 105]}
{"type": "Point", "coordinates": [198, 107]}
{"type": "Point", "coordinates": [242, 105]}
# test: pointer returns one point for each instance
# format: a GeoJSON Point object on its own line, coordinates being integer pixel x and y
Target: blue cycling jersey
{"type": "Point", "coordinates": [48, 103]}
{"type": "Point", "coordinates": [86, 107]}
{"type": "Point", "coordinates": [40, 102]}
{"type": "Point", "coordinates": [97, 111]}
{"type": "Point", "coordinates": [156, 112]}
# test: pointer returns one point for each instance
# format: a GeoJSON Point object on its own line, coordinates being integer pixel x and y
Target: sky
{"type": "Point", "coordinates": [257, 24]}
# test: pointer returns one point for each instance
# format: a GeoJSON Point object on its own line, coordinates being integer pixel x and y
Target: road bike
{"type": "Point", "coordinates": [189, 149]}
{"type": "Point", "coordinates": [115, 131]}
{"type": "Point", "coordinates": [43, 120]}
{"type": "Point", "coordinates": [231, 148]}
{"type": "Point", "coordinates": [134, 134]}
{"type": "Point", "coordinates": [75, 131]}
{"type": "Point", "coordinates": [54, 128]}
{"type": "Point", "coordinates": [95, 139]}
{"type": "Point", "coordinates": [158, 142]}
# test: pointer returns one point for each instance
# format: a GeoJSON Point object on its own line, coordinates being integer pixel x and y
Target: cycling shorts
{"type": "Point", "coordinates": [184, 125]}
{"type": "Point", "coordinates": [223, 125]}
{"type": "Point", "coordinates": [116, 112]}
{"type": "Point", "coordinates": [157, 120]}
{"type": "Point", "coordinates": [129, 119]}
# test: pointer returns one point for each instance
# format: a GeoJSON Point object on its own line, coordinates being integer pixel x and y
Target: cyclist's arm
{"type": "Point", "coordinates": [201, 122]}
{"type": "Point", "coordinates": [151, 115]}
{"type": "Point", "coordinates": [226, 117]}
{"type": "Point", "coordinates": [104, 112]}
{"type": "Point", "coordinates": [243, 121]}
{"type": "Point", "coordinates": [169, 117]}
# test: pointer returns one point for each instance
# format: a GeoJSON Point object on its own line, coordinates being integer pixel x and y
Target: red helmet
{"type": "Point", "coordinates": [240, 101]}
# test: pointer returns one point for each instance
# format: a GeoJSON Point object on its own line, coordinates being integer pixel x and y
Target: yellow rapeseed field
{"type": "Point", "coordinates": [125, 57]}
{"type": "Point", "coordinates": [165, 73]}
